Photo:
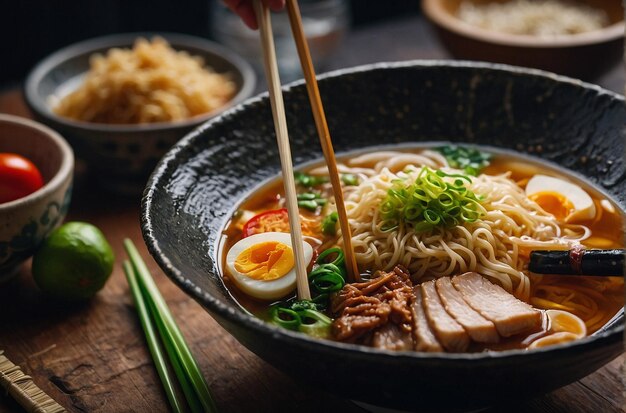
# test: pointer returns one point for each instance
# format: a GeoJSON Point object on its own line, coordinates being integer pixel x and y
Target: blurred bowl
{"type": "Point", "coordinates": [25, 222]}
{"type": "Point", "coordinates": [205, 177]}
{"type": "Point", "coordinates": [122, 156]}
{"type": "Point", "coordinates": [585, 55]}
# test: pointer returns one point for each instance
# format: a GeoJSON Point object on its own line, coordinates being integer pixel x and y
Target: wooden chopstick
{"type": "Point", "coordinates": [282, 136]}
{"type": "Point", "coordinates": [322, 130]}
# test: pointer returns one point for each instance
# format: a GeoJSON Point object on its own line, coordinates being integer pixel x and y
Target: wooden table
{"type": "Point", "coordinates": [92, 357]}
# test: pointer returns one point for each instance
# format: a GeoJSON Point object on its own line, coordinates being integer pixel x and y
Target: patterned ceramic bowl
{"type": "Point", "coordinates": [25, 222]}
{"type": "Point", "coordinates": [121, 157]}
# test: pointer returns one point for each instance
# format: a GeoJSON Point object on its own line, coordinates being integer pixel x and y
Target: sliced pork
{"type": "Point", "coordinates": [510, 315]}
{"type": "Point", "coordinates": [450, 334]}
{"type": "Point", "coordinates": [478, 327]}
{"type": "Point", "coordinates": [392, 337]}
{"type": "Point", "coordinates": [448, 314]}
{"type": "Point", "coordinates": [423, 336]}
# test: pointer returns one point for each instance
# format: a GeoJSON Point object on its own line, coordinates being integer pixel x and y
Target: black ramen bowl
{"type": "Point", "coordinates": [200, 182]}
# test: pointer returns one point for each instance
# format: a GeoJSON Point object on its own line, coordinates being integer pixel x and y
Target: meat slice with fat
{"type": "Point", "coordinates": [478, 327]}
{"type": "Point", "coordinates": [510, 315]}
{"type": "Point", "coordinates": [450, 334]}
{"type": "Point", "coordinates": [392, 337]}
{"type": "Point", "coordinates": [423, 336]}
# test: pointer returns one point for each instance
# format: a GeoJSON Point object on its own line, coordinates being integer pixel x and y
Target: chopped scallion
{"type": "Point", "coordinates": [470, 160]}
{"type": "Point", "coordinates": [309, 181]}
{"type": "Point", "coordinates": [329, 224]}
{"type": "Point", "coordinates": [311, 200]}
{"type": "Point", "coordinates": [433, 199]}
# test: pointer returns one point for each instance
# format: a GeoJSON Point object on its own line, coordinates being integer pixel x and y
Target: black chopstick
{"type": "Point", "coordinates": [578, 262]}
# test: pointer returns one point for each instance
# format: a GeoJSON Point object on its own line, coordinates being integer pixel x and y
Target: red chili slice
{"type": "Point", "coordinates": [276, 220]}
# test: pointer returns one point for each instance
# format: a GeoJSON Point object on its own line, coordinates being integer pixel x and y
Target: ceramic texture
{"type": "Point", "coordinates": [199, 183]}
{"type": "Point", "coordinates": [25, 222]}
{"type": "Point", "coordinates": [122, 156]}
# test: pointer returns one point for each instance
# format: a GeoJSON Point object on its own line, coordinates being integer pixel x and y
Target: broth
{"type": "Point", "coordinates": [604, 294]}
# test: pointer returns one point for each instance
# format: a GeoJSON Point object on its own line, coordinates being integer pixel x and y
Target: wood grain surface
{"type": "Point", "coordinates": [92, 357]}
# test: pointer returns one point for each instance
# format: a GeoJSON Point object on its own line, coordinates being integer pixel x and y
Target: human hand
{"type": "Point", "coordinates": [245, 10]}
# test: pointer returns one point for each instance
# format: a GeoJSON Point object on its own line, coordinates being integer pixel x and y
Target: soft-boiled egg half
{"type": "Point", "coordinates": [263, 265]}
{"type": "Point", "coordinates": [568, 202]}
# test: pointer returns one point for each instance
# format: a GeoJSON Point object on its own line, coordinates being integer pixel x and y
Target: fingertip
{"type": "Point", "coordinates": [246, 12]}
{"type": "Point", "coordinates": [276, 5]}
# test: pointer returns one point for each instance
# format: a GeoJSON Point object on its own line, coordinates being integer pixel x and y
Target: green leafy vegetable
{"type": "Point", "coordinates": [434, 199]}
{"type": "Point", "coordinates": [329, 224]}
{"type": "Point", "coordinates": [309, 181]}
{"type": "Point", "coordinates": [311, 200]}
{"type": "Point", "coordinates": [470, 160]}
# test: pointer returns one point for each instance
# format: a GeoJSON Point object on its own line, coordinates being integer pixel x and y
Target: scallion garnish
{"type": "Point", "coordinates": [311, 200]}
{"type": "Point", "coordinates": [350, 179]}
{"type": "Point", "coordinates": [301, 315]}
{"type": "Point", "coordinates": [309, 181]}
{"type": "Point", "coordinates": [434, 199]}
{"type": "Point", "coordinates": [329, 224]}
{"type": "Point", "coordinates": [328, 275]}
{"type": "Point", "coordinates": [470, 160]}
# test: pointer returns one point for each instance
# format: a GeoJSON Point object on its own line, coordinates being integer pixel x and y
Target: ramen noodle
{"type": "Point", "coordinates": [442, 239]}
{"type": "Point", "coordinates": [149, 83]}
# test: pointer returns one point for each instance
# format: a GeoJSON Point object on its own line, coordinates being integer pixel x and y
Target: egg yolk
{"type": "Point", "coordinates": [563, 322]}
{"type": "Point", "coordinates": [554, 203]}
{"type": "Point", "coordinates": [265, 261]}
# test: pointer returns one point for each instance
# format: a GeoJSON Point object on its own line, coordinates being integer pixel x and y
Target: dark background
{"type": "Point", "coordinates": [32, 29]}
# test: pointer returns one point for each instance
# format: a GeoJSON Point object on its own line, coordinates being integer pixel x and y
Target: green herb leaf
{"type": "Point", "coordinates": [470, 160]}
{"type": "Point", "coordinates": [434, 199]}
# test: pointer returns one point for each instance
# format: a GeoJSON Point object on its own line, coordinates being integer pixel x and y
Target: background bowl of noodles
{"type": "Point", "coordinates": [122, 140]}
{"type": "Point", "coordinates": [581, 38]}
{"type": "Point", "coordinates": [518, 112]}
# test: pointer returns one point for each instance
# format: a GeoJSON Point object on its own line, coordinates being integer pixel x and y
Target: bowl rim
{"type": "Point", "coordinates": [434, 10]}
{"type": "Point", "coordinates": [88, 47]}
{"type": "Point", "coordinates": [612, 335]}
{"type": "Point", "coordinates": [65, 169]}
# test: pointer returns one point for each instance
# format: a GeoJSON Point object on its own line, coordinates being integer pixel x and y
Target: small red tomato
{"type": "Point", "coordinates": [18, 177]}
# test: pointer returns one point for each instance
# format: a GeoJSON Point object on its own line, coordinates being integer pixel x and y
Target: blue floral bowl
{"type": "Point", "coordinates": [25, 222]}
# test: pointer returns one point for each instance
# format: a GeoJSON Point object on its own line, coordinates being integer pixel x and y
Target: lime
{"type": "Point", "coordinates": [74, 262]}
